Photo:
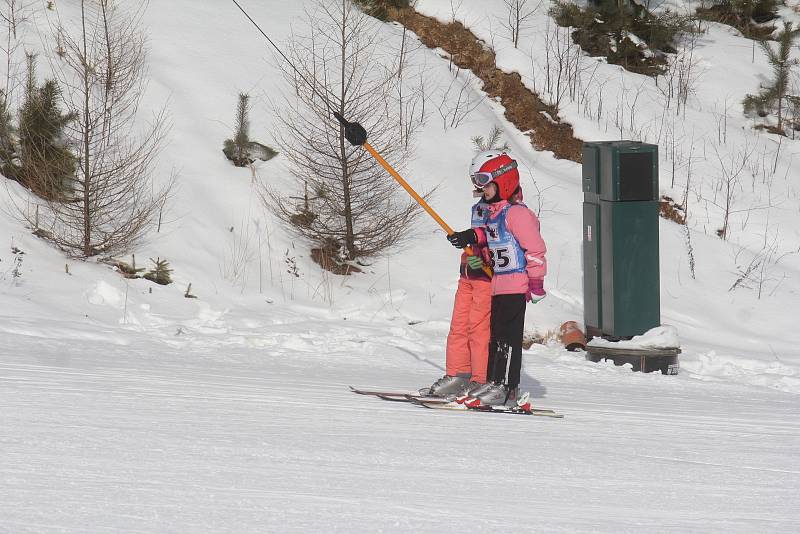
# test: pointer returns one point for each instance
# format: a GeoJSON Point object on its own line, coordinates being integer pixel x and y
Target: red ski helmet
{"type": "Point", "coordinates": [498, 167]}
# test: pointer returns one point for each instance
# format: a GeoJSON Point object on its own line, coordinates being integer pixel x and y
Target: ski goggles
{"type": "Point", "coordinates": [482, 179]}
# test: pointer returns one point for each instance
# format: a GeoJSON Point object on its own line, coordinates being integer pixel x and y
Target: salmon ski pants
{"type": "Point", "coordinates": [468, 340]}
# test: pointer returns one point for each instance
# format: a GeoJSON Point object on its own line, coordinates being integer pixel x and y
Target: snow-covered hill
{"type": "Point", "coordinates": [128, 407]}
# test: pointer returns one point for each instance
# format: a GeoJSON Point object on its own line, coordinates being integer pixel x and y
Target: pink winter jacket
{"type": "Point", "coordinates": [524, 226]}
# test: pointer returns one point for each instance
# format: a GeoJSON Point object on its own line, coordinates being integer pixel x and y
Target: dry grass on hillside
{"type": "Point", "coordinates": [523, 107]}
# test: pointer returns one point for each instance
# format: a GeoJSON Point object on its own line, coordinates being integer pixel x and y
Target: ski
{"type": "Point", "coordinates": [413, 398]}
{"type": "Point", "coordinates": [512, 410]}
{"type": "Point", "coordinates": [429, 400]}
{"type": "Point", "coordinates": [378, 393]}
{"type": "Point", "coordinates": [397, 396]}
{"type": "Point", "coordinates": [449, 404]}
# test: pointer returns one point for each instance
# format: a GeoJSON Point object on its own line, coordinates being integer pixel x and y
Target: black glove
{"type": "Point", "coordinates": [463, 239]}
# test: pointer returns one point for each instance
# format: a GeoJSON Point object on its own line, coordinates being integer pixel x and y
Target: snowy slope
{"type": "Point", "coordinates": [131, 408]}
{"type": "Point", "coordinates": [232, 433]}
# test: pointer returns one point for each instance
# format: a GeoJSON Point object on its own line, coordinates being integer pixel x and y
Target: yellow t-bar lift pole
{"type": "Point", "coordinates": [357, 135]}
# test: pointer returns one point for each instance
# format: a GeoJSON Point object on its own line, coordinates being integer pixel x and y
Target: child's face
{"type": "Point", "coordinates": [489, 191]}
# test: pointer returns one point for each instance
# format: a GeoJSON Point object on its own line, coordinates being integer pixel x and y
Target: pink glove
{"type": "Point", "coordinates": [535, 291]}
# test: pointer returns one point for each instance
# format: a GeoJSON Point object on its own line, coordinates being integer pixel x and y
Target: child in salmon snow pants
{"type": "Point", "coordinates": [517, 251]}
{"type": "Point", "coordinates": [468, 339]}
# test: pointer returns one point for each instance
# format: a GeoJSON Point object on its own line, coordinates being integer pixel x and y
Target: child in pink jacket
{"type": "Point", "coordinates": [517, 251]}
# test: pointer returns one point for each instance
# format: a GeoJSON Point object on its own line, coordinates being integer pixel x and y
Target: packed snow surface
{"type": "Point", "coordinates": [255, 430]}
{"type": "Point", "coordinates": [129, 408]}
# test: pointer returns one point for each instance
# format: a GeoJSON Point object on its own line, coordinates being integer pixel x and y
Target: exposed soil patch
{"type": "Point", "coordinates": [331, 262]}
{"type": "Point", "coordinates": [523, 107]}
{"type": "Point", "coordinates": [669, 209]}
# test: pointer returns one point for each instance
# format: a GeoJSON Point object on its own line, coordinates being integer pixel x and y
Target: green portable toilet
{"type": "Point", "coordinates": [620, 239]}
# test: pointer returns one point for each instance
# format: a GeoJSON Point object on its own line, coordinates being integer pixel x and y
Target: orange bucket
{"type": "Point", "coordinates": [571, 336]}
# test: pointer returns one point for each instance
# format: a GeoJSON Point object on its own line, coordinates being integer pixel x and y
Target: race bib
{"type": "Point", "coordinates": [504, 259]}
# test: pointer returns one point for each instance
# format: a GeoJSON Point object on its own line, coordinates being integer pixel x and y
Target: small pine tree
{"type": "Point", "coordinates": [238, 148]}
{"type": "Point", "coordinates": [755, 104]}
{"type": "Point", "coordinates": [242, 137]}
{"type": "Point", "coordinates": [380, 8]}
{"type": "Point", "coordinates": [129, 270]}
{"type": "Point", "coordinates": [160, 273]}
{"type": "Point", "coordinates": [492, 142]}
{"type": "Point", "coordinates": [7, 150]}
{"type": "Point", "coordinates": [774, 95]}
{"type": "Point", "coordinates": [46, 164]}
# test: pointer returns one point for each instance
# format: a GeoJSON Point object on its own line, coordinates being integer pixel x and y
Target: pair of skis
{"type": "Point", "coordinates": [523, 406]}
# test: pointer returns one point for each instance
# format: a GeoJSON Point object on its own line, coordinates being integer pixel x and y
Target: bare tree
{"type": "Point", "coordinates": [410, 103]}
{"type": "Point", "coordinates": [564, 67]}
{"type": "Point", "coordinates": [758, 271]}
{"type": "Point", "coordinates": [458, 101]}
{"type": "Point", "coordinates": [729, 182]}
{"type": "Point", "coordinates": [454, 9]}
{"type": "Point", "coordinates": [12, 14]}
{"type": "Point", "coordinates": [347, 203]}
{"type": "Point", "coordinates": [517, 14]}
{"type": "Point", "coordinates": [681, 75]}
{"type": "Point", "coordinates": [6, 131]}
{"type": "Point", "coordinates": [113, 201]}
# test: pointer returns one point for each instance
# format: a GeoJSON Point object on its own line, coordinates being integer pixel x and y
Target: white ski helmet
{"type": "Point", "coordinates": [483, 157]}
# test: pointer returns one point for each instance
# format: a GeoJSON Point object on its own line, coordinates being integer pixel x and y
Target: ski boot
{"type": "Point", "coordinates": [495, 395]}
{"type": "Point", "coordinates": [473, 390]}
{"type": "Point", "coordinates": [446, 387]}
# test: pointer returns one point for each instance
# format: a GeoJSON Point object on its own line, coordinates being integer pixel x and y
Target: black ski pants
{"type": "Point", "coordinates": [505, 342]}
